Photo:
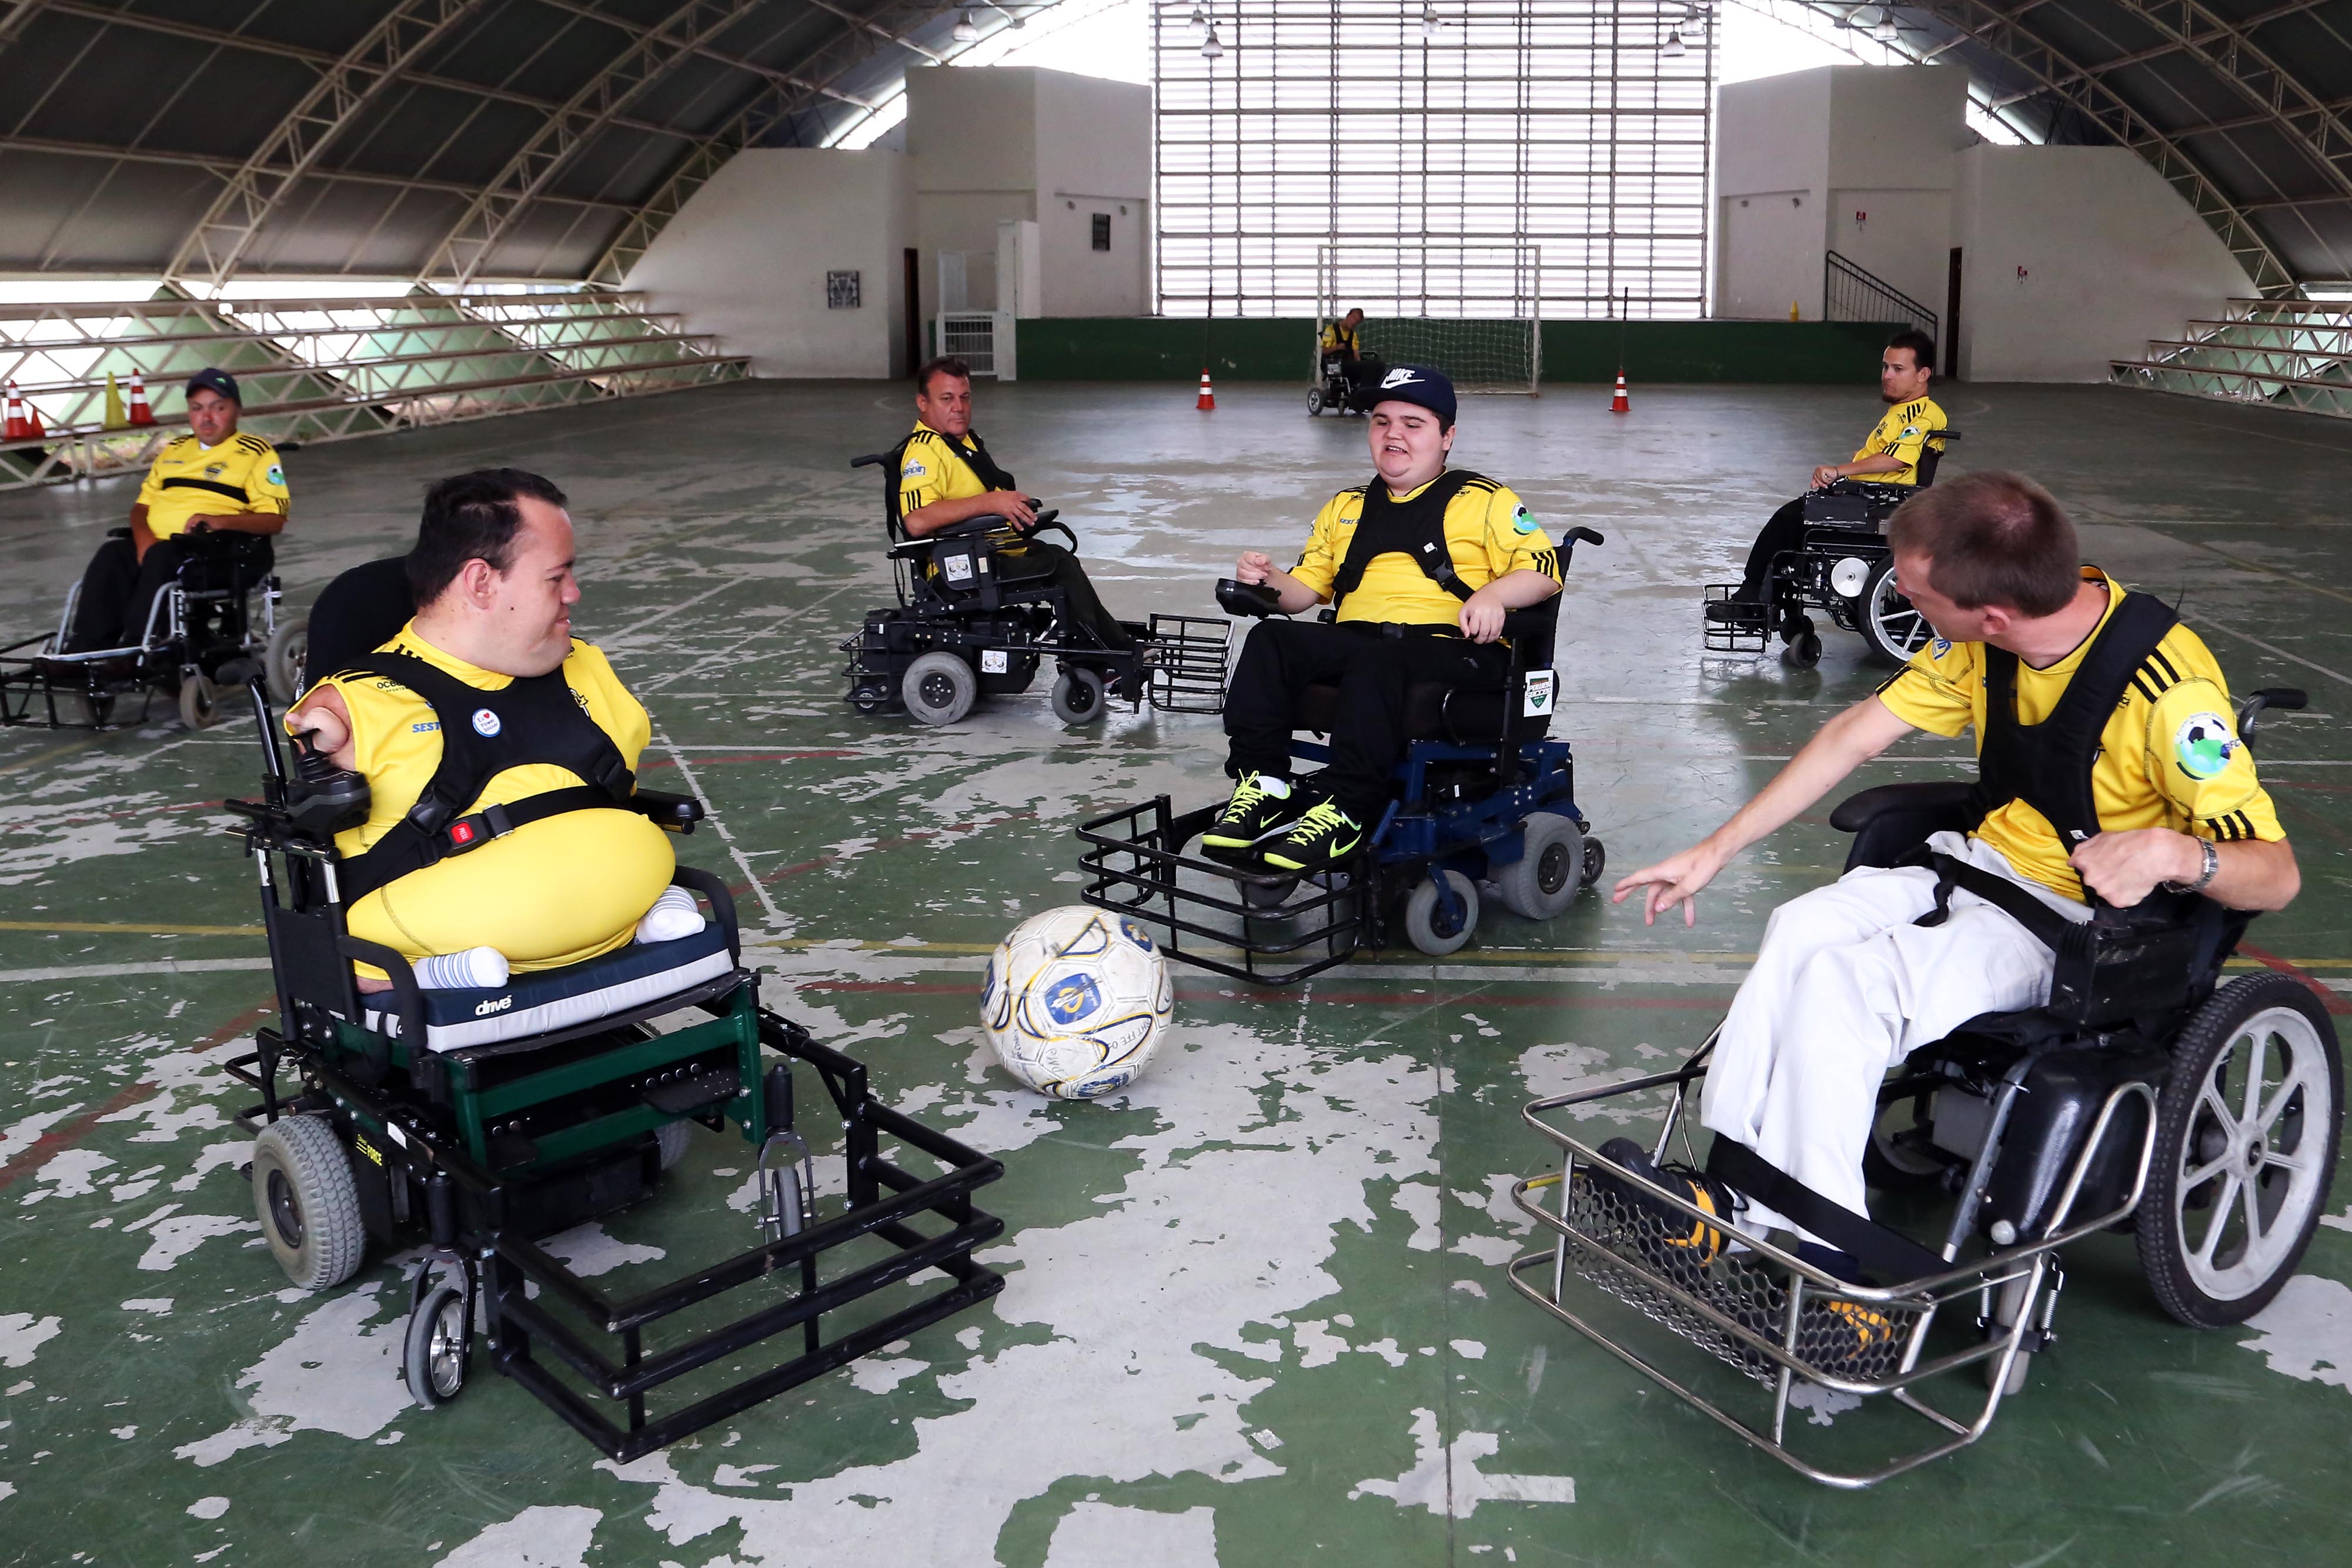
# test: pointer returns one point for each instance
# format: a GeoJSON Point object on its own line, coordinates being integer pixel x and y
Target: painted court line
{"type": "Point", "coordinates": [2271, 648]}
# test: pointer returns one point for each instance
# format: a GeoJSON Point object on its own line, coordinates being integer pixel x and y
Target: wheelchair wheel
{"type": "Point", "coordinates": [1891, 1160]}
{"type": "Point", "coordinates": [1803, 652]}
{"type": "Point", "coordinates": [2246, 1131]}
{"type": "Point", "coordinates": [1548, 873]}
{"type": "Point", "coordinates": [939, 689]}
{"type": "Point", "coordinates": [1078, 695]}
{"type": "Point", "coordinates": [673, 1139]}
{"type": "Point", "coordinates": [439, 1350]}
{"type": "Point", "coordinates": [1314, 402]}
{"type": "Point", "coordinates": [1260, 893]}
{"type": "Point", "coordinates": [199, 701]}
{"type": "Point", "coordinates": [1596, 861]}
{"type": "Point", "coordinates": [1426, 925]}
{"type": "Point", "coordinates": [1889, 625]}
{"type": "Point", "coordinates": [281, 662]}
{"type": "Point", "coordinates": [308, 1207]}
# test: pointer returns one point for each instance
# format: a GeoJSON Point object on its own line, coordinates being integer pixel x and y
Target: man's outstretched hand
{"type": "Point", "coordinates": [1672, 881]}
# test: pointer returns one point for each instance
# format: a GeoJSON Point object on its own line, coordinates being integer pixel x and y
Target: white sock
{"type": "Point", "coordinates": [475, 969]}
{"type": "Point", "coordinates": [1274, 784]}
{"type": "Point", "coordinates": [673, 915]}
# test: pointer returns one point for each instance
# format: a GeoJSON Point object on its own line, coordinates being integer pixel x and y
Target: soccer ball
{"type": "Point", "coordinates": [1074, 1001]}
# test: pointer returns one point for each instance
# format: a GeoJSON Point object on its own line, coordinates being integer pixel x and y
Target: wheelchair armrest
{"type": "Point", "coordinates": [2286, 699]}
{"type": "Point", "coordinates": [1889, 820]}
{"type": "Point", "coordinates": [672, 814]}
{"type": "Point", "coordinates": [722, 902]}
{"type": "Point", "coordinates": [1046, 521]}
{"type": "Point", "coordinates": [407, 1000]}
{"type": "Point", "coordinates": [1250, 601]}
{"type": "Point", "coordinates": [120, 533]}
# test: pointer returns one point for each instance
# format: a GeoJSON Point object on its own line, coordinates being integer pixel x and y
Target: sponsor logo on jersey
{"type": "Point", "coordinates": [213, 470]}
{"type": "Point", "coordinates": [1403, 376]}
{"type": "Point", "coordinates": [485, 723]}
{"type": "Point", "coordinates": [2203, 745]}
{"type": "Point", "coordinates": [430, 727]}
{"type": "Point", "coordinates": [1072, 997]}
{"type": "Point", "coordinates": [1940, 647]}
{"type": "Point", "coordinates": [914, 469]}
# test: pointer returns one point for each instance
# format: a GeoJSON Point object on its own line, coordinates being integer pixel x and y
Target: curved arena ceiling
{"type": "Point", "coordinates": [457, 139]}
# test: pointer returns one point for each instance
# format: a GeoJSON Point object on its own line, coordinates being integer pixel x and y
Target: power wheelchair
{"type": "Point", "coordinates": [1336, 392]}
{"type": "Point", "coordinates": [2149, 1096]}
{"type": "Point", "coordinates": [966, 627]}
{"type": "Point", "coordinates": [465, 1128]}
{"type": "Point", "coordinates": [1842, 568]}
{"type": "Point", "coordinates": [1483, 801]}
{"type": "Point", "coordinates": [202, 634]}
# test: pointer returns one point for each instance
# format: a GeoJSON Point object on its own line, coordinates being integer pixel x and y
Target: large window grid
{"type": "Point", "coordinates": [1558, 123]}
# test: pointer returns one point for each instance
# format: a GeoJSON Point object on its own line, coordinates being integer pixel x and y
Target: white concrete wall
{"type": "Point", "coordinates": [2111, 255]}
{"type": "Point", "coordinates": [746, 258]}
{"type": "Point", "coordinates": [1773, 139]}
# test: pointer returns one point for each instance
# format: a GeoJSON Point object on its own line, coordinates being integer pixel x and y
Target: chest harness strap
{"type": "Point", "coordinates": [535, 719]}
{"type": "Point", "coordinates": [1414, 529]}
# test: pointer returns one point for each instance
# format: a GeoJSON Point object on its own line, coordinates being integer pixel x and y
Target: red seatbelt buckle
{"type": "Point", "coordinates": [461, 833]}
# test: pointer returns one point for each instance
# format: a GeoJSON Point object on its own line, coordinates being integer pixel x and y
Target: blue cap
{"type": "Point", "coordinates": [1421, 385]}
{"type": "Point", "coordinates": [218, 380]}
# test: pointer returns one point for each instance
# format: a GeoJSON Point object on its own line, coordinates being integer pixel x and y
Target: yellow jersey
{"type": "Point", "coordinates": [1336, 338]}
{"type": "Point", "coordinates": [1907, 429]}
{"type": "Point", "coordinates": [2169, 758]}
{"type": "Point", "coordinates": [189, 479]}
{"type": "Point", "coordinates": [559, 891]}
{"type": "Point", "coordinates": [1489, 532]}
{"type": "Point", "coordinates": [936, 467]}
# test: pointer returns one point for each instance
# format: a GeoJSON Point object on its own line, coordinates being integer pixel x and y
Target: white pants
{"type": "Point", "coordinates": [1844, 988]}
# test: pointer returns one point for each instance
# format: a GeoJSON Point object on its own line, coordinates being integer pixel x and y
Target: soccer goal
{"type": "Point", "coordinates": [1472, 310]}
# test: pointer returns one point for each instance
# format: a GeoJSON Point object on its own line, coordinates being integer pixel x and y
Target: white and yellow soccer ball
{"type": "Point", "coordinates": [1075, 1002]}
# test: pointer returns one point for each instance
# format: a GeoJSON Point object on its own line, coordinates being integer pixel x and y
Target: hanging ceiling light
{"type": "Point", "coordinates": [1210, 49]}
{"type": "Point", "coordinates": [1430, 24]}
{"type": "Point", "coordinates": [966, 31]}
{"type": "Point", "coordinates": [1885, 32]}
{"type": "Point", "coordinates": [1672, 47]}
{"type": "Point", "coordinates": [1198, 24]}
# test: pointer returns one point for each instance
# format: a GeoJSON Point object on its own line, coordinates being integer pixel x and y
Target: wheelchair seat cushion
{"type": "Point", "coordinates": [1472, 716]}
{"type": "Point", "coordinates": [550, 999]}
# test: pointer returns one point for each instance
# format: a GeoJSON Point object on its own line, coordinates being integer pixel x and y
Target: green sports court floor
{"type": "Point", "coordinates": [1256, 1310]}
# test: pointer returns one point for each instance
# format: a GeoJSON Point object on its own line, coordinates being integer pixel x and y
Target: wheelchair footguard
{"type": "Point", "coordinates": [471, 1132]}
{"type": "Point", "coordinates": [1420, 873]}
{"type": "Point", "coordinates": [1946, 1347]}
{"type": "Point", "coordinates": [936, 664]}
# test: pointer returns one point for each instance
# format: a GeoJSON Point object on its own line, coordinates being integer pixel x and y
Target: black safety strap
{"type": "Point", "coordinates": [2046, 924]}
{"type": "Point", "coordinates": [411, 847]}
{"type": "Point", "coordinates": [1381, 529]}
{"type": "Point", "coordinates": [1890, 1257]}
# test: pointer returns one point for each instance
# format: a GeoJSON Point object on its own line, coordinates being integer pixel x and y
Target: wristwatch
{"type": "Point", "coordinates": [2212, 858]}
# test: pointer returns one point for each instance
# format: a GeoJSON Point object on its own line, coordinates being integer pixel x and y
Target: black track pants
{"type": "Point", "coordinates": [1051, 563]}
{"type": "Point", "coordinates": [1785, 531]}
{"type": "Point", "coordinates": [1282, 658]}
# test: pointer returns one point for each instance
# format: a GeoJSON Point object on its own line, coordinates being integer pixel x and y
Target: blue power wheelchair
{"type": "Point", "coordinates": [969, 624]}
{"type": "Point", "coordinates": [2149, 1096]}
{"type": "Point", "coordinates": [468, 1126]}
{"type": "Point", "coordinates": [1483, 798]}
{"type": "Point", "coordinates": [1842, 567]}
{"type": "Point", "coordinates": [214, 625]}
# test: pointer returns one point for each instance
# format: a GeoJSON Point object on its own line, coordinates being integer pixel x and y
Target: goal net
{"type": "Point", "coordinates": [1468, 309]}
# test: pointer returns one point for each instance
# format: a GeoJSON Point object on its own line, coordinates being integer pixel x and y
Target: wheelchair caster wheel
{"type": "Point", "coordinates": [1803, 652]}
{"type": "Point", "coordinates": [1596, 861]}
{"type": "Point", "coordinates": [1260, 893]}
{"type": "Point", "coordinates": [1078, 695]}
{"type": "Point", "coordinates": [199, 702]}
{"type": "Point", "coordinates": [282, 661]}
{"type": "Point", "coordinates": [439, 1349]}
{"type": "Point", "coordinates": [1314, 402]}
{"type": "Point", "coordinates": [940, 688]}
{"type": "Point", "coordinates": [1432, 929]}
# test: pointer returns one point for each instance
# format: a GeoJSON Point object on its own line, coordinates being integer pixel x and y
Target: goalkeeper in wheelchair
{"type": "Point", "coordinates": [2013, 992]}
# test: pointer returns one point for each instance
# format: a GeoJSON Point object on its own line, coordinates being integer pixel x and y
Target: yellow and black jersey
{"type": "Point", "coordinates": [936, 467]}
{"type": "Point", "coordinates": [1337, 339]}
{"type": "Point", "coordinates": [2169, 755]}
{"type": "Point", "coordinates": [1907, 429]}
{"type": "Point", "coordinates": [189, 479]}
{"type": "Point", "coordinates": [559, 891]}
{"type": "Point", "coordinates": [1489, 532]}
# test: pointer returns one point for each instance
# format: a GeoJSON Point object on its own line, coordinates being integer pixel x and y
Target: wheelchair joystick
{"type": "Point", "coordinates": [1247, 600]}
{"type": "Point", "coordinates": [322, 799]}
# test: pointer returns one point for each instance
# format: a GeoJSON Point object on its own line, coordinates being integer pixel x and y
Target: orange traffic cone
{"type": "Point", "coordinates": [15, 429]}
{"type": "Point", "coordinates": [1208, 397]}
{"type": "Point", "coordinates": [32, 422]}
{"type": "Point", "coordinates": [140, 413]}
{"type": "Point", "coordinates": [1618, 404]}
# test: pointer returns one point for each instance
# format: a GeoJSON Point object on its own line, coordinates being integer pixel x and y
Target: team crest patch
{"type": "Point", "coordinates": [485, 723]}
{"type": "Point", "coordinates": [1523, 520]}
{"type": "Point", "coordinates": [914, 469]}
{"type": "Point", "coordinates": [1910, 432]}
{"type": "Point", "coordinates": [1940, 647]}
{"type": "Point", "coordinates": [2203, 745]}
{"type": "Point", "coordinates": [213, 470]}
{"type": "Point", "coordinates": [276, 475]}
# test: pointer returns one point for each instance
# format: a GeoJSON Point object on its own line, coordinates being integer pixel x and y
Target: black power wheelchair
{"type": "Point", "coordinates": [1484, 799]}
{"type": "Point", "coordinates": [2149, 1096]}
{"type": "Point", "coordinates": [968, 625]}
{"type": "Point", "coordinates": [471, 1125]}
{"type": "Point", "coordinates": [204, 633]}
{"type": "Point", "coordinates": [1336, 391]}
{"type": "Point", "coordinates": [1842, 568]}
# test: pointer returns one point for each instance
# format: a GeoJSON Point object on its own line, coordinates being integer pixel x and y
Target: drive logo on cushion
{"type": "Point", "coordinates": [483, 1009]}
{"type": "Point", "coordinates": [485, 723]}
